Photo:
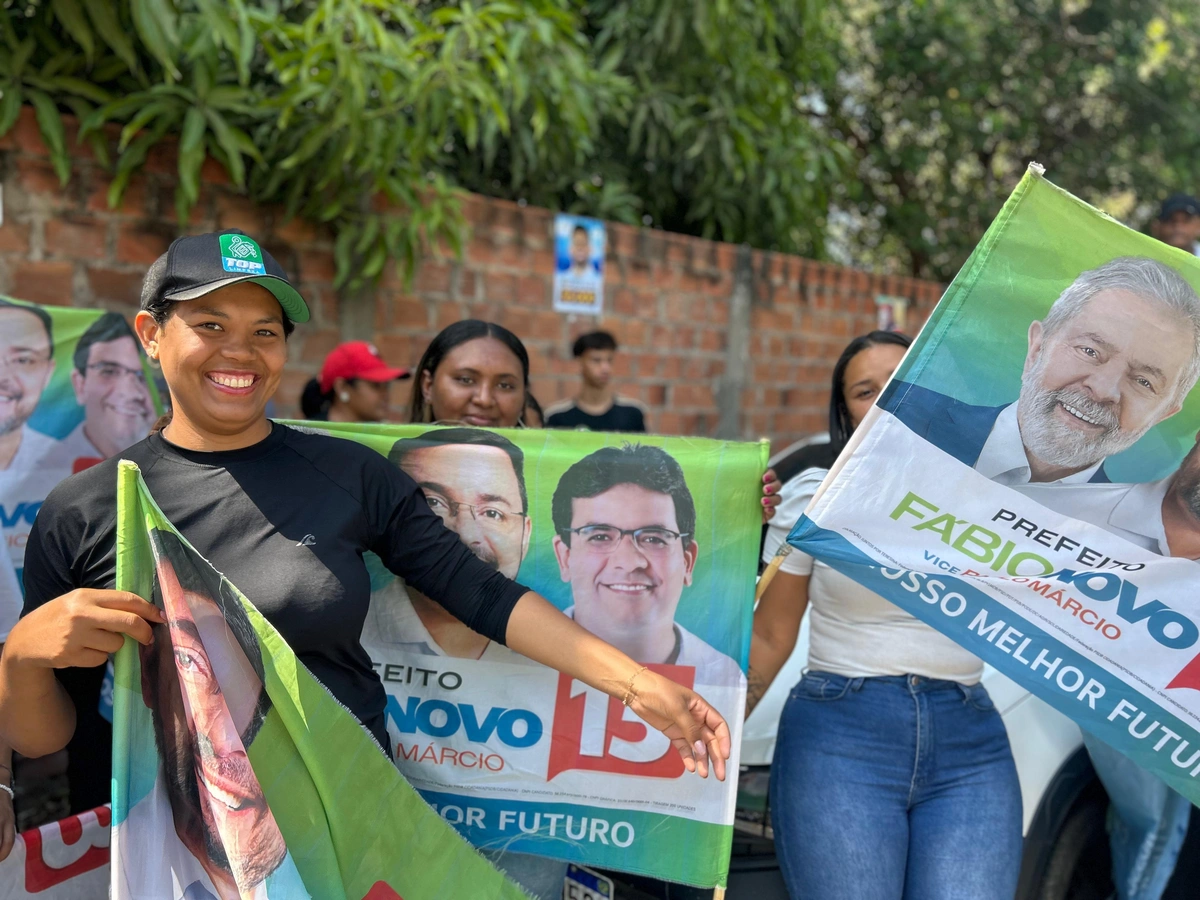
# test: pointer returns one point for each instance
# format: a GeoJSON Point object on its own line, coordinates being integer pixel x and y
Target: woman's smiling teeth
{"type": "Point", "coordinates": [232, 381]}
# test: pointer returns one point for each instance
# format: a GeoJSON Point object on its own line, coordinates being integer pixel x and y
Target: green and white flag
{"type": "Point", "coordinates": [1029, 482]}
{"type": "Point", "coordinates": [235, 773]}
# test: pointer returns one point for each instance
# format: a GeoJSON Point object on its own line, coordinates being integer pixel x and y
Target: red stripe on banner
{"type": "Point", "coordinates": [39, 874]}
{"type": "Point", "coordinates": [1188, 677]}
{"type": "Point", "coordinates": [381, 891]}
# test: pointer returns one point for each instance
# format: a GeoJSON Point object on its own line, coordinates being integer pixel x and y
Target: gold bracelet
{"type": "Point", "coordinates": [629, 692]}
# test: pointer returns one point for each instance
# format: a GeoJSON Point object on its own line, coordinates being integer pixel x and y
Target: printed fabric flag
{"type": "Point", "coordinates": [65, 860]}
{"type": "Point", "coordinates": [1029, 482]}
{"type": "Point", "coordinates": [651, 543]}
{"type": "Point", "coordinates": [75, 388]}
{"type": "Point", "coordinates": [235, 773]}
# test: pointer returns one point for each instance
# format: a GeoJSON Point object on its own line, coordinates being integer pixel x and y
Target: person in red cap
{"type": "Point", "coordinates": [353, 385]}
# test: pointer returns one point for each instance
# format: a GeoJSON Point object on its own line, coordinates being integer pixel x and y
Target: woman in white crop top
{"type": "Point", "coordinates": [892, 777]}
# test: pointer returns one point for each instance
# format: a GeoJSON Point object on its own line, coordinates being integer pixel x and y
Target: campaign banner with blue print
{"type": "Point", "coordinates": [75, 388]}
{"type": "Point", "coordinates": [649, 542]}
{"type": "Point", "coordinates": [1029, 482]}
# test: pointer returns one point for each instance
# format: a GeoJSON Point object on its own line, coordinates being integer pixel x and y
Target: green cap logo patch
{"type": "Point", "coordinates": [241, 255]}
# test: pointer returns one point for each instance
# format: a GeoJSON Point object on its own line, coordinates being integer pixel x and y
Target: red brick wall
{"type": "Point", "coordinates": [668, 297]}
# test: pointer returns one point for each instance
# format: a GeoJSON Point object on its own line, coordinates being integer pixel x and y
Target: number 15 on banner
{"type": "Point", "coordinates": [597, 733]}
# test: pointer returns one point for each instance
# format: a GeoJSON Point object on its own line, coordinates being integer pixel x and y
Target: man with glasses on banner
{"type": "Point", "coordinates": [625, 539]}
{"type": "Point", "coordinates": [475, 480]}
{"type": "Point", "coordinates": [30, 461]}
{"type": "Point", "coordinates": [110, 385]}
{"type": "Point", "coordinates": [118, 412]}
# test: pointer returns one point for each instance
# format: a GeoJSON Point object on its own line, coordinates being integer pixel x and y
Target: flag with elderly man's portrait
{"type": "Point", "coordinates": [1029, 481]}
{"type": "Point", "coordinates": [235, 773]}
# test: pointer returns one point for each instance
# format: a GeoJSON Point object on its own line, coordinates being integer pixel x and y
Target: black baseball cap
{"type": "Point", "coordinates": [199, 264]}
{"type": "Point", "coordinates": [1184, 203]}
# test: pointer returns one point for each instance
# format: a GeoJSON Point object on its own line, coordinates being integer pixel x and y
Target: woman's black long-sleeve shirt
{"type": "Point", "coordinates": [287, 520]}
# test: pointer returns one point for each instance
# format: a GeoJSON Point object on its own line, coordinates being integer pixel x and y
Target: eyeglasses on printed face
{"type": "Point", "coordinates": [112, 372]}
{"type": "Point", "coordinates": [653, 540]}
{"type": "Point", "coordinates": [487, 516]}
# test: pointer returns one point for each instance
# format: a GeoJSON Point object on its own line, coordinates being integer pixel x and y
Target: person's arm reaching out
{"type": "Point", "coordinates": [415, 544]}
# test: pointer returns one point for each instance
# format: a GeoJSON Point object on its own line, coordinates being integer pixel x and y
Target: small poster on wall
{"type": "Point", "coordinates": [579, 264]}
{"type": "Point", "coordinates": [891, 313]}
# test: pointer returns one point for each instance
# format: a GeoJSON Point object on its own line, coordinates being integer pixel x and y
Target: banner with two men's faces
{"type": "Point", "coordinates": [1029, 483]}
{"type": "Point", "coordinates": [249, 780]}
{"type": "Point", "coordinates": [74, 389]}
{"type": "Point", "coordinates": [650, 545]}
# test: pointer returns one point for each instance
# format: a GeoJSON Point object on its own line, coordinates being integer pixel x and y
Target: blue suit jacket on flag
{"type": "Point", "coordinates": [958, 428]}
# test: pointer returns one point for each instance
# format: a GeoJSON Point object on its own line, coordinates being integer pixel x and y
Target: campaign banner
{"type": "Point", "coordinates": [650, 543]}
{"type": "Point", "coordinates": [65, 860]}
{"type": "Point", "coordinates": [75, 388]}
{"type": "Point", "coordinates": [236, 774]}
{"type": "Point", "coordinates": [1029, 482]}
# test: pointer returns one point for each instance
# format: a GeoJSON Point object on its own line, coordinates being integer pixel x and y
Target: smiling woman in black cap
{"type": "Point", "coordinates": [286, 515]}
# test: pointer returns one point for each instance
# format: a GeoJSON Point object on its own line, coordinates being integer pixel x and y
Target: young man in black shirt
{"type": "Point", "coordinates": [597, 407]}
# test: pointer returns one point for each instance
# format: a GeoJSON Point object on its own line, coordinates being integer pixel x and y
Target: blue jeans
{"type": "Point", "coordinates": [1147, 823]}
{"type": "Point", "coordinates": [894, 788]}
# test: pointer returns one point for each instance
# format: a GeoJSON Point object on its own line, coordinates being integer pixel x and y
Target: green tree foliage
{"type": "Point", "coordinates": [886, 133]}
{"type": "Point", "coordinates": [342, 110]}
{"type": "Point", "coordinates": [944, 103]}
{"type": "Point", "coordinates": [714, 136]}
{"type": "Point", "coordinates": [690, 114]}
